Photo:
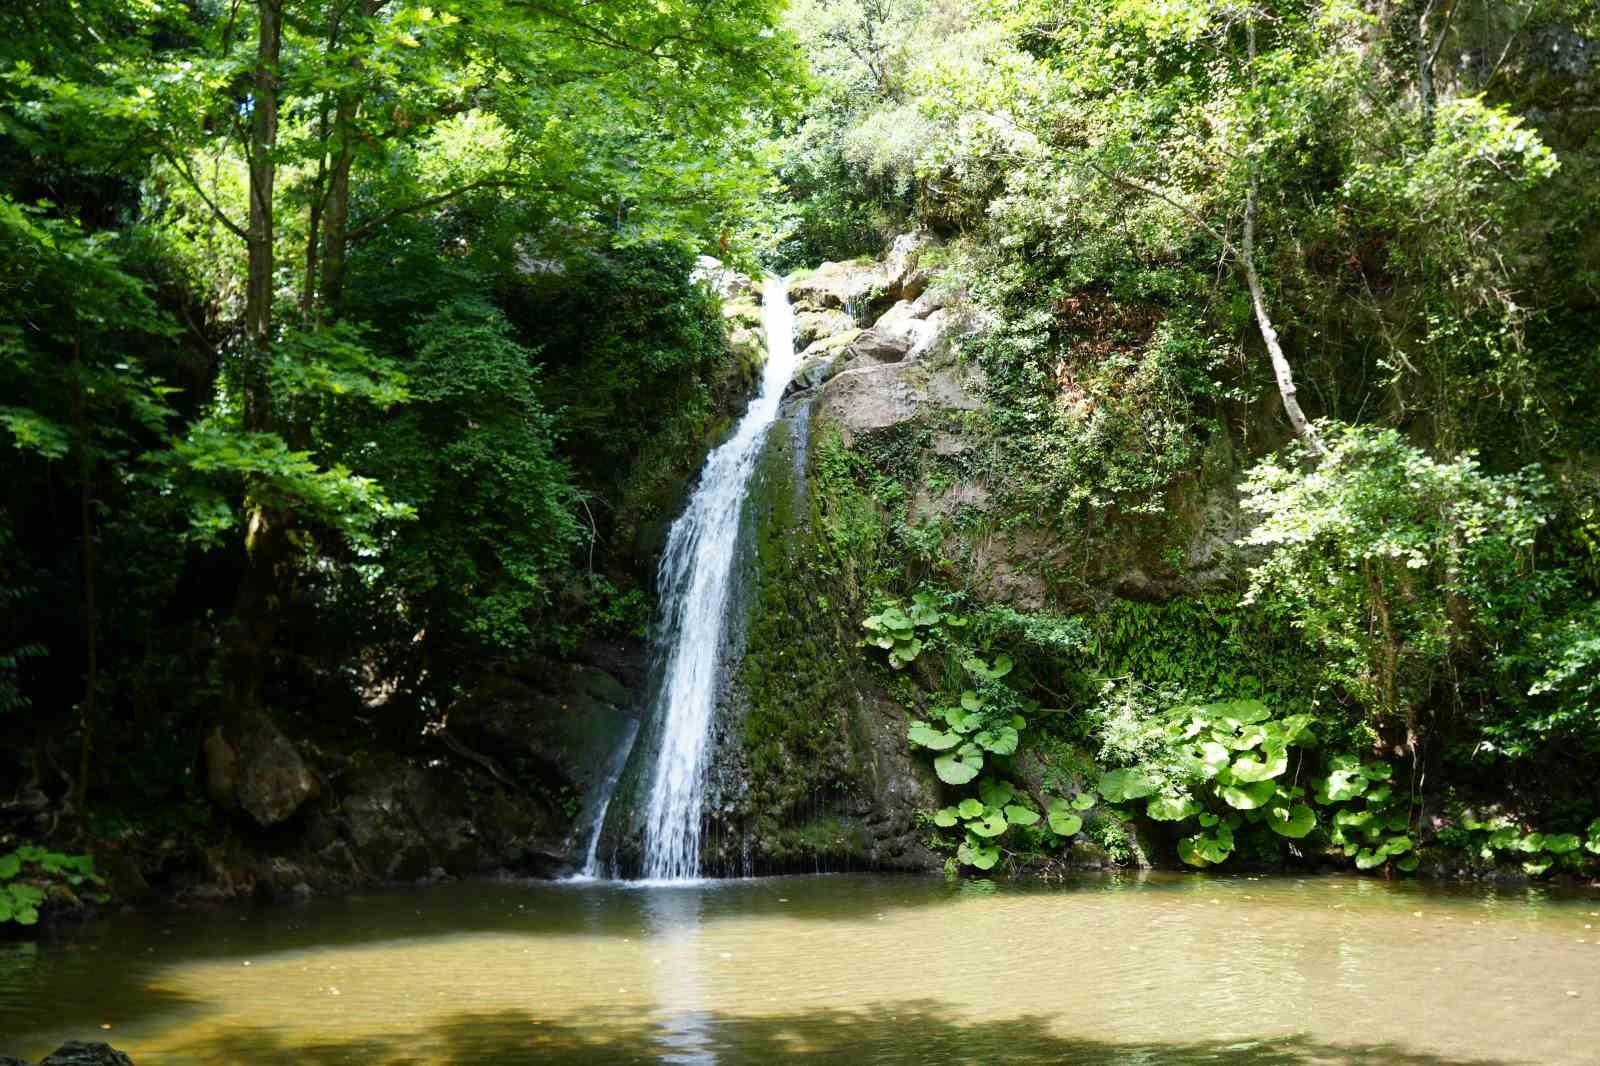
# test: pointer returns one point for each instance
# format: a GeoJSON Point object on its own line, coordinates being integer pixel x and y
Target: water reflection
{"type": "Point", "coordinates": [672, 915]}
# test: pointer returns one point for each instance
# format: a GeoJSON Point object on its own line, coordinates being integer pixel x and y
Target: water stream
{"type": "Point", "coordinates": [694, 584]}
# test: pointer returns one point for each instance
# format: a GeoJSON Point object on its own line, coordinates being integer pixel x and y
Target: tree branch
{"type": "Point", "coordinates": [233, 227]}
{"type": "Point", "coordinates": [357, 233]}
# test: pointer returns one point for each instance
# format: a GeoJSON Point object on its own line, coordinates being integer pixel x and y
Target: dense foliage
{"type": "Point", "coordinates": [332, 330]}
{"type": "Point", "coordinates": [1179, 225]}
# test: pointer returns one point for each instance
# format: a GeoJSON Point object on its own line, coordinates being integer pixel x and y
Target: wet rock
{"type": "Point", "coordinates": [81, 1053]}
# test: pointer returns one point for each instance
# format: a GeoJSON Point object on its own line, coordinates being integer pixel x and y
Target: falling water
{"type": "Point", "coordinates": [694, 582]}
{"type": "Point", "coordinates": [594, 819]}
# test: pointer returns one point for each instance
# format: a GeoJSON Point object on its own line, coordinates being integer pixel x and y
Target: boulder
{"type": "Point", "coordinates": [904, 277]}
{"type": "Point", "coordinates": [720, 278]}
{"type": "Point", "coordinates": [812, 326]}
{"type": "Point", "coordinates": [251, 766]}
{"type": "Point", "coordinates": [81, 1053]}
{"type": "Point", "coordinates": [868, 399]}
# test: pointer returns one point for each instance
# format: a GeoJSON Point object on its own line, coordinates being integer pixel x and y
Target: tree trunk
{"type": "Point", "coordinates": [259, 234]}
{"type": "Point", "coordinates": [1258, 298]}
{"type": "Point", "coordinates": [266, 546]}
{"type": "Point", "coordinates": [91, 628]}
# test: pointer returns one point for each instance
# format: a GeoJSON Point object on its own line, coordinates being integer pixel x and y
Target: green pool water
{"type": "Point", "coordinates": [842, 969]}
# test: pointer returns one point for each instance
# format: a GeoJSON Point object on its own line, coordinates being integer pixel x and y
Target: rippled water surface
{"type": "Point", "coordinates": [840, 969]}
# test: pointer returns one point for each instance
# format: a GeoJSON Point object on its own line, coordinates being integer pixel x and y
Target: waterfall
{"type": "Point", "coordinates": [594, 819]}
{"type": "Point", "coordinates": [694, 582]}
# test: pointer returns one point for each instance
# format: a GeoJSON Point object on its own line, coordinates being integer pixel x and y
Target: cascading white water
{"type": "Point", "coordinates": [694, 582]}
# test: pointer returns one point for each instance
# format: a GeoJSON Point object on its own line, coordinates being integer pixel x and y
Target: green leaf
{"type": "Point", "coordinates": [974, 853]}
{"type": "Point", "coordinates": [945, 817]}
{"type": "Point", "coordinates": [1536, 867]}
{"type": "Point", "coordinates": [996, 793]}
{"type": "Point", "coordinates": [1242, 711]}
{"type": "Point", "coordinates": [1021, 815]}
{"type": "Point", "coordinates": [979, 668]}
{"type": "Point", "coordinates": [1531, 843]}
{"type": "Point", "coordinates": [1561, 843]}
{"type": "Point", "coordinates": [1083, 801]}
{"type": "Point", "coordinates": [971, 701]}
{"type": "Point", "coordinates": [10, 866]}
{"type": "Point", "coordinates": [925, 736]}
{"type": "Point", "coordinates": [1190, 853]}
{"type": "Point", "coordinates": [1377, 770]}
{"type": "Point", "coordinates": [1408, 864]}
{"type": "Point", "coordinates": [970, 808]}
{"type": "Point", "coordinates": [1292, 822]}
{"type": "Point", "coordinates": [1247, 797]}
{"type": "Point", "coordinates": [1341, 785]}
{"type": "Point", "coordinates": [1249, 771]}
{"type": "Point", "coordinates": [992, 824]}
{"type": "Point", "coordinates": [1396, 845]}
{"type": "Point", "coordinates": [1296, 729]}
{"type": "Point", "coordinates": [1063, 820]}
{"type": "Point", "coordinates": [1214, 758]}
{"type": "Point", "coordinates": [1367, 858]}
{"type": "Point", "coordinates": [1002, 741]}
{"type": "Point", "coordinates": [1165, 808]}
{"type": "Point", "coordinates": [961, 721]}
{"type": "Point", "coordinates": [1119, 785]}
{"type": "Point", "coordinates": [960, 766]}
{"type": "Point", "coordinates": [1208, 819]}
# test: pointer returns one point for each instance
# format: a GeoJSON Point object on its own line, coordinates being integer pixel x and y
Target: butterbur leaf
{"type": "Point", "coordinates": [996, 793]}
{"type": "Point", "coordinates": [970, 701]}
{"type": "Point", "coordinates": [1247, 797]}
{"type": "Point", "coordinates": [1171, 808]}
{"type": "Point", "coordinates": [1021, 815]}
{"type": "Point", "coordinates": [1214, 758]}
{"type": "Point", "coordinates": [1531, 843]}
{"type": "Point", "coordinates": [959, 766]}
{"type": "Point", "coordinates": [904, 652]}
{"type": "Point", "coordinates": [881, 640]}
{"type": "Point", "coordinates": [1018, 722]}
{"type": "Point", "coordinates": [1190, 853]}
{"type": "Point", "coordinates": [10, 866]}
{"type": "Point", "coordinates": [1379, 794]}
{"type": "Point", "coordinates": [1002, 741]}
{"type": "Point", "coordinates": [1561, 843]}
{"type": "Point", "coordinates": [978, 668]}
{"type": "Point", "coordinates": [1083, 801]}
{"type": "Point", "coordinates": [1119, 785]}
{"type": "Point", "coordinates": [969, 808]}
{"type": "Point", "coordinates": [1244, 711]}
{"type": "Point", "coordinates": [1536, 867]}
{"type": "Point", "coordinates": [1292, 822]}
{"type": "Point", "coordinates": [1408, 864]}
{"type": "Point", "coordinates": [1296, 729]}
{"type": "Point", "coordinates": [1342, 784]}
{"type": "Point", "coordinates": [1248, 771]}
{"type": "Point", "coordinates": [923, 612]}
{"type": "Point", "coordinates": [1063, 820]}
{"type": "Point", "coordinates": [925, 736]}
{"type": "Point", "coordinates": [961, 721]}
{"type": "Point", "coordinates": [1367, 858]}
{"type": "Point", "coordinates": [976, 853]}
{"type": "Point", "coordinates": [1208, 819]}
{"type": "Point", "coordinates": [1396, 846]}
{"type": "Point", "coordinates": [1377, 770]}
{"type": "Point", "coordinates": [896, 621]}
{"type": "Point", "coordinates": [992, 824]}
{"type": "Point", "coordinates": [945, 817]}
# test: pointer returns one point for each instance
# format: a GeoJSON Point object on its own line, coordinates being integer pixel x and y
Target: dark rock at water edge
{"type": "Point", "coordinates": [77, 1053]}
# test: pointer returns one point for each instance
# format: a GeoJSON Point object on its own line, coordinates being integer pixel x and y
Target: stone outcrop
{"type": "Point", "coordinates": [251, 766]}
